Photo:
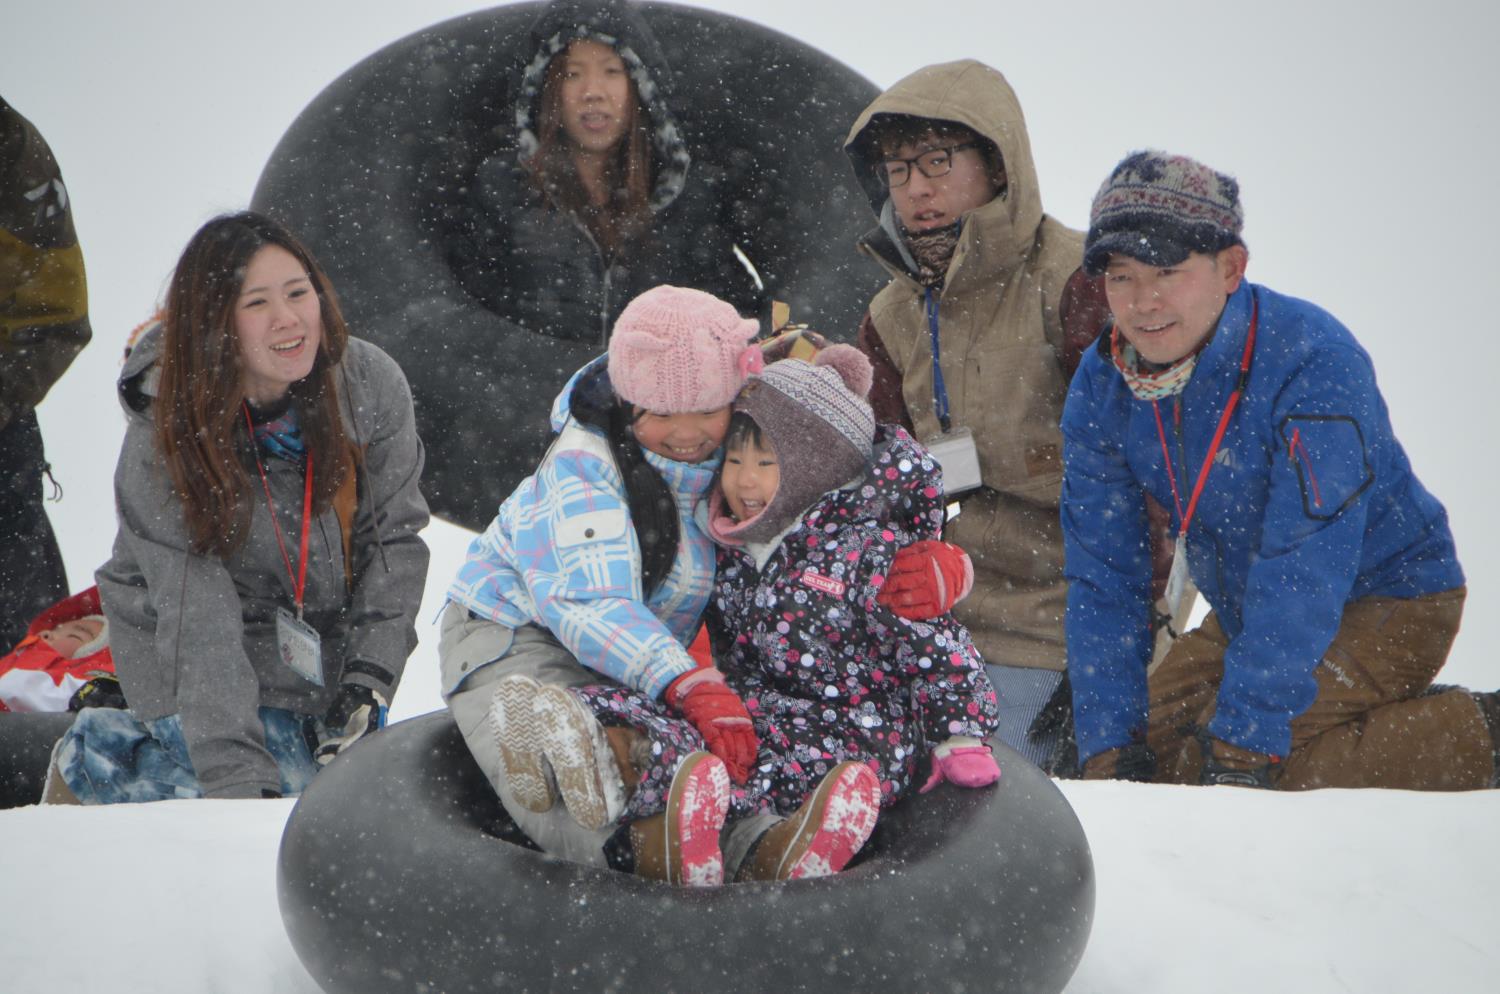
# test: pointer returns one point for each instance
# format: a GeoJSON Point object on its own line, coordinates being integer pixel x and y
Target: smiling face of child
{"type": "Point", "coordinates": [750, 476]}
{"type": "Point", "coordinates": [690, 437]}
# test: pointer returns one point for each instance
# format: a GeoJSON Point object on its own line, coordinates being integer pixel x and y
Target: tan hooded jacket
{"type": "Point", "coordinates": [1009, 321]}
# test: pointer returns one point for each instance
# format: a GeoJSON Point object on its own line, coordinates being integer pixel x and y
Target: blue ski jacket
{"type": "Point", "coordinates": [1310, 503]}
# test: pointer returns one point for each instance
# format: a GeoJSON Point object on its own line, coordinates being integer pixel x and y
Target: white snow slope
{"type": "Point", "coordinates": [1364, 137]}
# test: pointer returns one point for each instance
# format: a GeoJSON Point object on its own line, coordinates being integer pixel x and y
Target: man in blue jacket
{"type": "Point", "coordinates": [1334, 582]}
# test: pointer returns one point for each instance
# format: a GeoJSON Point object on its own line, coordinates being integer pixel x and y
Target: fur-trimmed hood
{"type": "Point", "coordinates": [972, 94]}
{"type": "Point", "coordinates": [619, 24]}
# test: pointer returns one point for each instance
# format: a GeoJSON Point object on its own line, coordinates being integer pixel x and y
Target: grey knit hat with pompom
{"type": "Point", "coordinates": [817, 419]}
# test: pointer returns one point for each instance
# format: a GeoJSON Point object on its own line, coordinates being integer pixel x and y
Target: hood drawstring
{"type": "Point", "coordinates": [57, 491]}
{"type": "Point", "coordinates": [359, 464]}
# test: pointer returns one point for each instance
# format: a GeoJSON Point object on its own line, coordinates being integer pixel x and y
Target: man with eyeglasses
{"type": "Point", "coordinates": [973, 343]}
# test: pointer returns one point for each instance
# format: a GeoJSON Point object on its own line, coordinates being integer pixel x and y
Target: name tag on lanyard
{"type": "Point", "coordinates": [953, 448]}
{"type": "Point", "coordinates": [298, 643]}
{"type": "Point", "coordinates": [1178, 577]}
{"type": "Point", "coordinates": [300, 646]}
{"type": "Point", "coordinates": [957, 455]}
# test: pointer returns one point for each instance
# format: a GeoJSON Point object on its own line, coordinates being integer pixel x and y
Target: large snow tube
{"type": "Point", "coordinates": [26, 741]}
{"type": "Point", "coordinates": [392, 878]}
{"type": "Point", "coordinates": [362, 171]}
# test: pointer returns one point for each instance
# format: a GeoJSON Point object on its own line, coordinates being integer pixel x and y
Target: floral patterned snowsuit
{"type": "Point", "coordinates": [826, 673]}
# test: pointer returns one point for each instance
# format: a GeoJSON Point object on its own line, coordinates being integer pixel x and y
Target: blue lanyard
{"type": "Point", "coordinates": [939, 389]}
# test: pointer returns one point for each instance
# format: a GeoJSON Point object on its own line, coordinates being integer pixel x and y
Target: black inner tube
{"type": "Point", "coordinates": [26, 741]}
{"type": "Point", "coordinates": [368, 172]}
{"type": "Point", "coordinates": [394, 873]}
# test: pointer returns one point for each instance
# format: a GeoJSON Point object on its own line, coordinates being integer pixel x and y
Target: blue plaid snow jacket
{"type": "Point", "coordinates": [562, 553]}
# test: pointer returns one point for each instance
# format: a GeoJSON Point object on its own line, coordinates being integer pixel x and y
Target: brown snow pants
{"type": "Point", "coordinates": [1371, 724]}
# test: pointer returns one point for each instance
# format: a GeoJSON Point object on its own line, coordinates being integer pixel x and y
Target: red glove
{"type": "Point", "coordinates": [719, 715]}
{"type": "Point", "coordinates": [926, 579]}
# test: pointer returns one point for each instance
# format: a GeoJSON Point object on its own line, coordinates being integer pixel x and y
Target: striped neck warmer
{"type": "Point", "coordinates": [933, 252]}
{"type": "Point", "coordinates": [1147, 384]}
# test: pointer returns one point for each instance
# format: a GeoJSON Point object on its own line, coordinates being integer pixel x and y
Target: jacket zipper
{"type": "Point", "coordinates": [603, 268]}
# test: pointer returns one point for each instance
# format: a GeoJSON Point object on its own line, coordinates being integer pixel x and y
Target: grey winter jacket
{"type": "Point", "coordinates": [195, 636]}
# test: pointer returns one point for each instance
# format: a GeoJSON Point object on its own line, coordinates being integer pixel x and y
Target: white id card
{"type": "Point", "coordinates": [1177, 578]}
{"type": "Point", "coordinates": [300, 645]}
{"type": "Point", "coordinates": [955, 452]}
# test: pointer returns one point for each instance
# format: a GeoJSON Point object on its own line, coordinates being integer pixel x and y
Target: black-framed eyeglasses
{"type": "Point", "coordinates": [933, 163]}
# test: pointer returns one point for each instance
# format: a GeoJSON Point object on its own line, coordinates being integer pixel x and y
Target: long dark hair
{"type": "Point", "coordinates": [628, 173]}
{"type": "Point", "coordinates": [653, 509]}
{"type": "Point", "coordinates": [200, 420]}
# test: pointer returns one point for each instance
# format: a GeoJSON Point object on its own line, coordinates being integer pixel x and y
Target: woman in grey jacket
{"type": "Point", "coordinates": [267, 567]}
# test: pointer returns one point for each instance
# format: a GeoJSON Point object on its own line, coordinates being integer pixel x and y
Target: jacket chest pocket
{"type": "Point", "coordinates": [592, 526]}
{"type": "Point", "coordinates": [1332, 462]}
{"type": "Point", "coordinates": [1014, 400]}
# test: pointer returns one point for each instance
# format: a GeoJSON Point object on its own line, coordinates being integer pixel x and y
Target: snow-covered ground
{"type": "Point", "coordinates": [1364, 137]}
{"type": "Point", "coordinates": [1375, 892]}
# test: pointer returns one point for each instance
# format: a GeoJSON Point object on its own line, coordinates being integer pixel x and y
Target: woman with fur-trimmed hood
{"type": "Point", "coordinates": [593, 196]}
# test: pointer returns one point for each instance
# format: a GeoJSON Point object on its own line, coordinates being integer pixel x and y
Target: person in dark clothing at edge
{"type": "Point", "coordinates": [973, 343]}
{"type": "Point", "coordinates": [1332, 573]}
{"type": "Point", "coordinates": [44, 323]}
{"type": "Point", "coordinates": [594, 196]}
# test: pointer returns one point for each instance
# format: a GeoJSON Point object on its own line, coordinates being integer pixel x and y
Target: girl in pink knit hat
{"type": "Point", "coordinates": [597, 567]}
{"type": "Point", "coordinates": [848, 699]}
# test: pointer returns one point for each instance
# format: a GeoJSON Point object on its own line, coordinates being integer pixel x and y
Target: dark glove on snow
{"type": "Point", "coordinates": [1228, 765]}
{"type": "Point", "coordinates": [100, 692]}
{"type": "Point", "coordinates": [356, 712]}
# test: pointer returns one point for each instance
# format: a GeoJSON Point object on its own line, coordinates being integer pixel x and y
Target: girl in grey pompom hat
{"type": "Point", "coordinates": [819, 427]}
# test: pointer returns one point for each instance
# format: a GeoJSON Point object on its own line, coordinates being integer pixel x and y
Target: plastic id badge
{"type": "Point", "coordinates": [955, 452]}
{"type": "Point", "coordinates": [300, 645]}
{"type": "Point", "coordinates": [1177, 578]}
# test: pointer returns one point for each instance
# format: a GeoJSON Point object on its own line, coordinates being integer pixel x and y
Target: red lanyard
{"type": "Point", "coordinates": [299, 582]}
{"type": "Point", "coordinates": [1213, 449]}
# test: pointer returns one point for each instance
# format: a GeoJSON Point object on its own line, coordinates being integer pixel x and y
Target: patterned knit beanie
{"type": "Point", "coordinates": [677, 350]}
{"type": "Point", "coordinates": [1159, 208]}
{"type": "Point", "coordinates": [817, 419]}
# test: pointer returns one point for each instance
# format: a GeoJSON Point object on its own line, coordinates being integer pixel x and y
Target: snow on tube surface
{"type": "Point", "coordinates": [364, 170]}
{"type": "Point", "coordinates": [394, 875]}
{"type": "Point", "coordinates": [26, 741]}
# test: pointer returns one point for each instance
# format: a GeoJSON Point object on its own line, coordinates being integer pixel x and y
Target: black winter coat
{"type": "Point", "coordinates": [538, 266]}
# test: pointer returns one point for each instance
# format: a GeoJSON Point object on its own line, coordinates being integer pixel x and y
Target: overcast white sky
{"type": "Point", "coordinates": [1364, 136]}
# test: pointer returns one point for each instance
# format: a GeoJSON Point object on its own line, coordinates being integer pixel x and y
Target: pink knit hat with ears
{"type": "Point", "coordinates": [677, 350]}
